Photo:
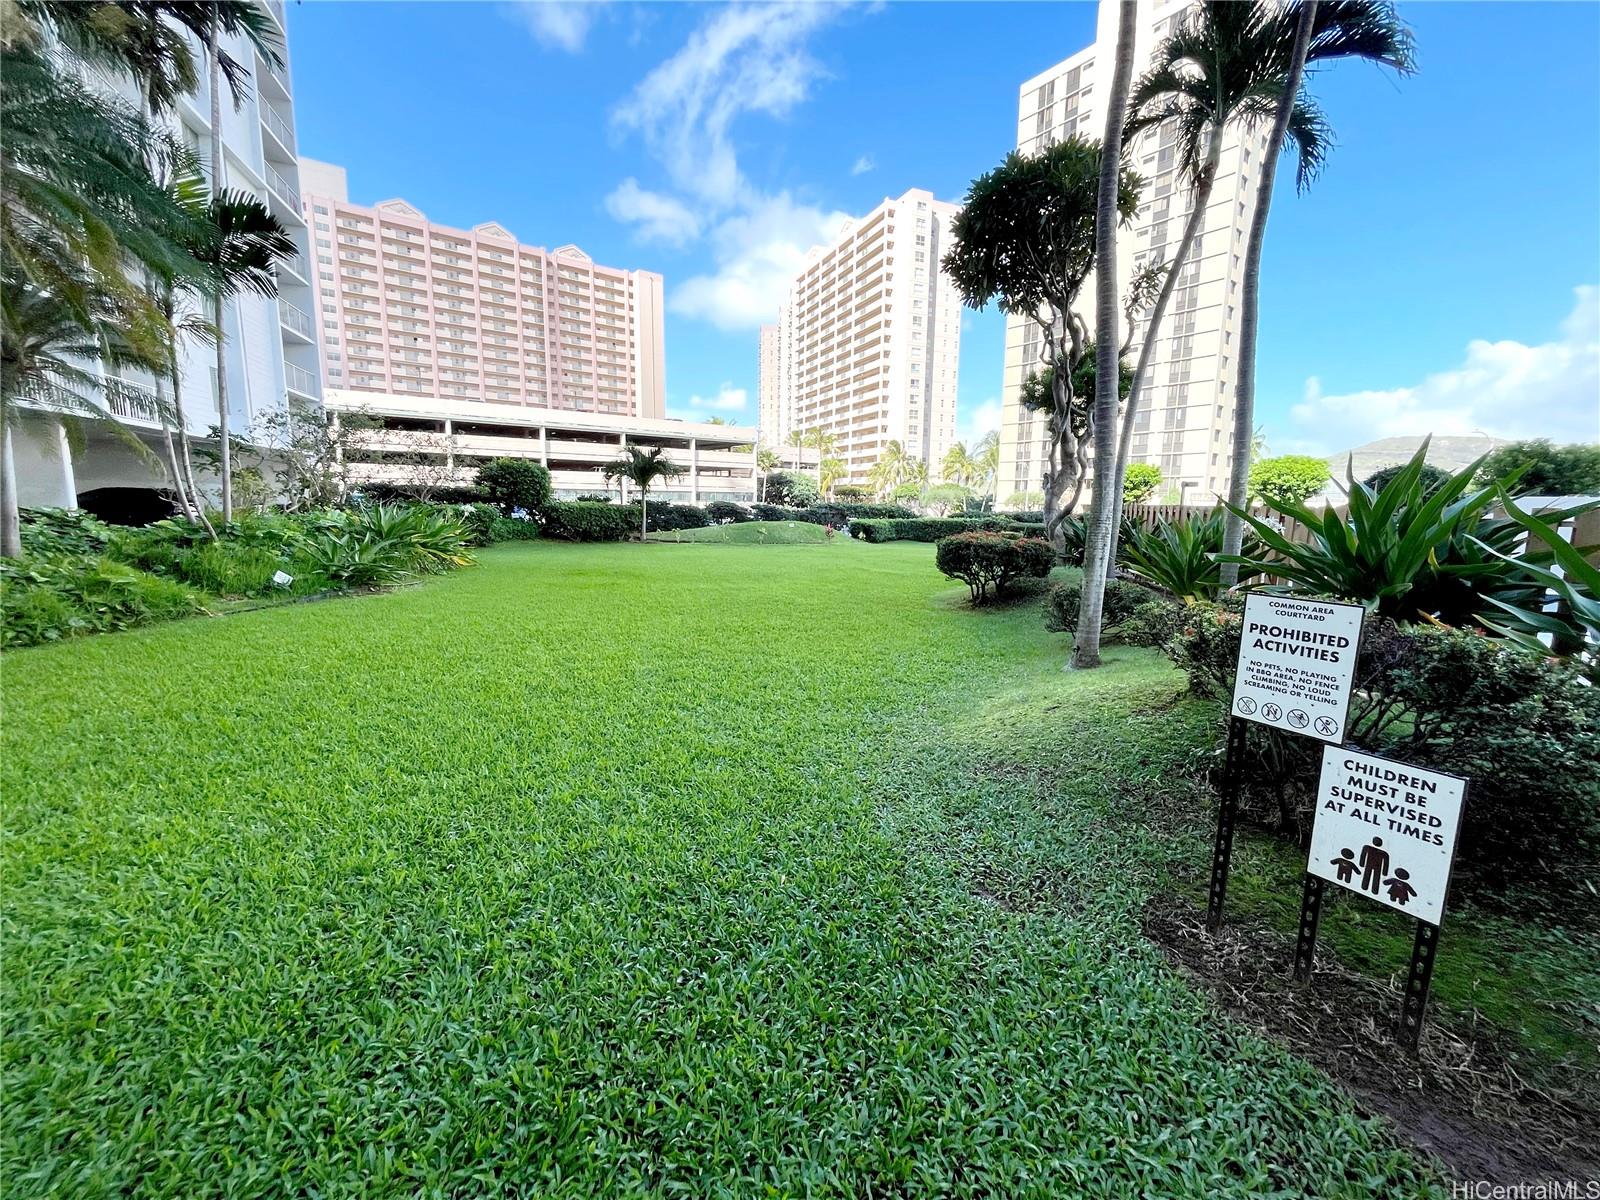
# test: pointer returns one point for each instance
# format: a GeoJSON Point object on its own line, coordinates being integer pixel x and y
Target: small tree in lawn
{"type": "Point", "coordinates": [515, 483]}
{"type": "Point", "coordinates": [1025, 240]}
{"type": "Point", "coordinates": [1140, 482]}
{"type": "Point", "coordinates": [642, 468]}
{"type": "Point", "coordinates": [1288, 479]}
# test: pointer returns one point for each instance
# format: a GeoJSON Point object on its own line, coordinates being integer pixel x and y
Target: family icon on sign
{"type": "Point", "coordinates": [1373, 864]}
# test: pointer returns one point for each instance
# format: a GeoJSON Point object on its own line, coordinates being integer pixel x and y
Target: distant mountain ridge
{"type": "Point", "coordinates": [1447, 453]}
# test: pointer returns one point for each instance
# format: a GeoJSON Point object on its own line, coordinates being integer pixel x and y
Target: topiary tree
{"type": "Point", "coordinates": [1140, 482]}
{"type": "Point", "coordinates": [1288, 479]}
{"type": "Point", "coordinates": [515, 483]}
{"type": "Point", "coordinates": [1550, 470]}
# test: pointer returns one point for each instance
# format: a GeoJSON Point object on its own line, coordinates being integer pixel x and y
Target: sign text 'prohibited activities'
{"type": "Point", "coordinates": [1296, 662]}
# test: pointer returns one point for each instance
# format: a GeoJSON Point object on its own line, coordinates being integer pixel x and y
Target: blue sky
{"type": "Point", "coordinates": [1440, 275]}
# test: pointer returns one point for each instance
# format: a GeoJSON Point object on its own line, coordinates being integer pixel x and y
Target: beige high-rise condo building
{"type": "Point", "coordinates": [869, 338]}
{"type": "Point", "coordinates": [767, 406]}
{"type": "Point", "coordinates": [414, 308]}
{"type": "Point", "coordinates": [1185, 425]}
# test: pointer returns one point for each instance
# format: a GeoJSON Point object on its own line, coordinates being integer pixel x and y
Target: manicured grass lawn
{"type": "Point", "coordinates": [618, 870]}
{"type": "Point", "coordinates": [744, 533]}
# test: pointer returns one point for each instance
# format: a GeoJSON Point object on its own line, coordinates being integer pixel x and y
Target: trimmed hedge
{"type": "Point", "coordinates": [925, 529]}
{"type": "Point", "coordinates": [989, 562]}
{"type": "Point", "coordinates": [590, 521]}
{"type": "Point", "coordinates": [664, 516]}
{"type": "Point", "coordinates": [722, 511]}
{"type": "Point", "coordinates": [833, 514]}
{"type": "Point", "coordinates": [513, 529]}
{"type": "Point", "coordinates": [1132, 614]}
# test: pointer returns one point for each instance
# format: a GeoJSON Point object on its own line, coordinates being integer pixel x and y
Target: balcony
{"type": "Point", "coordinates": [295, 321]}
{"type": "Point", "coordinates": [279, 186]}
{"type": "Point", "coordinates": [302, 381]}
{"type": "Point", "coordinates": [279, 127]}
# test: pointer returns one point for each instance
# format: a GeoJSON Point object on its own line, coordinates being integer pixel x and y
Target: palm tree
{"type": "Point", "coordinates": [642, 469]}
{"type": "Point", "coordinates": [889, 471]}
{"type": "Point", "coordinates": [229, 19]}
{"type": "Point", "coordinates": [829, 472]}
{"type": "Point", "coordinates": [1108, 364]}
{"type": "Point", "coordinates": [958, 465]}
{"type": "Point", "coordinates": [986, 464]}
{"type": "Point", "coordinates": [767, 461]}
{"type": "Point", "coordinates": [44, 337]}
{"type": "Point", "coordinates": [824, 443]}
{"type": "Point", "coordinates": [1309, 32]}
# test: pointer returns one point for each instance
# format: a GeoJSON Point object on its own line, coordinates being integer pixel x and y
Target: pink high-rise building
{"type": "Point", "coordinates": [410, 307]}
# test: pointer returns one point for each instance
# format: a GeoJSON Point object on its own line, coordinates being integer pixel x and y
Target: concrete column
{"type": "Point", "coordinates": [694, 471]}
{"type": "Point", "coordinates": [449, 444]}
{"type": "Point", "coordinates": [544, 446]}
{"type": "Point", "coordinates": [69, 478]}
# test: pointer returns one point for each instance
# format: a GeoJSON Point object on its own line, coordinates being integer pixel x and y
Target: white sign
{"type": "Point", "coordinates": [1296, 661]}
{"type": "Point", "coordinates": [282, 578]}
{"type": "Point", "coordinates": [1387, 830]}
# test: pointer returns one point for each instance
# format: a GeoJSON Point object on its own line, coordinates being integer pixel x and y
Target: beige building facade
{"type": "Point", "coordinates": [1185, 425]}
{"type": "Point", "coordinates": [868, 340]}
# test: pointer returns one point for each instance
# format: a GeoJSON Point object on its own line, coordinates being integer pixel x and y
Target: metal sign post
{"type": "Point", "coordinates": [1296, 664]}
{"type": "Point", "coordinates": [1405, 820]}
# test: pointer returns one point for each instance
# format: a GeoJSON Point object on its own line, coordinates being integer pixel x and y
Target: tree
{"type": "Point", "coordinates": [218, 20]}
{"type": "Point", "coordinates": [1310, 32]}
{"type": "Point", "coordinates": [885, 474]}
{"type": "Point", "coordinates": [515, 483]}
{"type": "Point", "coordinates": [642, 468]}
{"type": "Point", "coordinates": [1024, 501]}
{"type": "Point", "coordinates": [767, 461]}
{"type": "Point", "coordinates": [941, 498]}
{"type": "Point", "coordinates": [829, 471]}
{"type": "Point", "coordinates": [1025, 240]}
{"type": "Point", "coordinates": [1430, 476]}
{"type": "Point", "coordinates": [958, 465]}
{"type": "Point", "coordinates": [44, 340]}
{"type": "Point", "coordinates": [986, 464]}
{"type": "Point", "coordinates": [1288, 479]}
{"type": "Point", "coordinates": [308, 451]}
{"type": "Point", "coordinates": [1103, 510]}
{"type": "Point", "coordinates": [793, 489]}
{"type": "Point", "coordinates": [852, 492]}
{"type": "Point", "coordinates": [1140, 482]}
{"type": "Point", "coordinates": [1547, 470]}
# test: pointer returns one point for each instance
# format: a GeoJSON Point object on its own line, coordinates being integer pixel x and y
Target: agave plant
{"type": "Point", "coordinates": [1574, 625]}
{"type": "Point", "coordinates": [384, 544]}
{"type": "Point", "coordinates": [1407, 552]}
{"type": "Point", "coordinates": [1178, 557]}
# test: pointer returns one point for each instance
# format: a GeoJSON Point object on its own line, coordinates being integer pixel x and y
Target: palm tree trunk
{"type": "Point", "coordinates": [1191, 234]}
{"type": "Point", "coordinates": [10, 518]}
{"type": "Point", "coordinates": [183, 436]}
{"type": "Point", "coordinates": [173, 470]}
{"type": "Point", "coordinates": [1244, 405]}
{"type": "Point", "coordinates": [214, 55]}
{"type": "Point", "coordinates": [1107, 367]}
{"type": "Point", "coordinates": [644, 515]}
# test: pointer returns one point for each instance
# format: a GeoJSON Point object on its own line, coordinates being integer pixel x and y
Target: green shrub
{"type": "Point", "coordinates": [478, 520]}
{"type": "Point", "coordinates": [1074, 530]}
{"type": "Point", "coordinates": [513, 483]}
{"type": "Point", "coordinates": [383, 544]}
{"type": "Point", "coordinates": [513, 529]}
{"type": "Point", "coordinates": [725, 510]}
{"type": "Point", "coordinates": [1407, 553]}
{"type": "Point", "coordinates": [988, 563]}
{"type": "Point", "coordinates": [47, 532]}
{"type": "Point", "coordinates": [1524, 730]}
{"type": "Point", "coordinates": [1140, 482]}
{"type": "Point", "coordinates": [1288, 479]}
{"type": "Point", "coordinates": [924, 529]}
{"type": "Point", "coordinates": [664, 517]}
{"type": "Point", "coordinates": [1123, 602]}
{"type": "Point", "coordinates": [1543, 469]}
{"type": "Point", "coordinates": [46, 600]}
{"type": "Point", "coordinates": [833, 514]}
{"type": "Point", "coordinates": [1180, 557]}
{"type": "Point", "coordinates": [586, 521]}
{"type": "Point", "coordinates": [790, 489]}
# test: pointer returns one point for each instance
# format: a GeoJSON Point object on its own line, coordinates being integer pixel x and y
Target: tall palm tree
{"type": "Point", "coordinates": [1108, 357]}
{"type": "Point", "coordinates": [986, 464]}
{"type": "Point", "coordinates": [958, 465]}
{"type": "Point", "coordinates": [889, 471]}
{"type": "Point", "coordinates": [1310, 32]}
{"type": "Point", "coordinates": [767, 461]}
{"type": "Point", "coordinates": [642, 469]}
{"type": "Point", "coordinates": [829, 472]}
{"type": "Point", "coordinates": [244, 19]}
{"type": "Point", "coordinates": [824, 443]}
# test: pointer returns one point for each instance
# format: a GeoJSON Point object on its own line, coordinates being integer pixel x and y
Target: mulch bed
{"type": "Point", "coordinates": [1460, 1100]}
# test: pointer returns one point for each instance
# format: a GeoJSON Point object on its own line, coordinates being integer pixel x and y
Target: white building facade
{"type": "Point", "coordinates": [1185, 424]}
{"type": "Point", "coordinates": [768, 423]}
{"type": "Point", "coordinates": [869, 338]}
{"type": "Point", "coordinates": [270, 341]}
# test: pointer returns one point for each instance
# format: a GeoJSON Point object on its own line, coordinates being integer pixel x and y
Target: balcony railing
{"type": "Point", "coordinates": [293, 318]}
{"type": "Point", "coordinates": [278, 125]}
{"type": "Point", "coordinates": [281, 185]}
{"type": "Point", "coordinates": [300, 380]}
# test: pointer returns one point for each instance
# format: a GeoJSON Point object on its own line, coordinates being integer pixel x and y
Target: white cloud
{"type": "Point", "coordinates": [658, 218]}
{"type": "Point", "coordinates": [745, 59]}
{"type": "Point", "coordinates": [975, 422]}
{"type": "Point", "coordinates": [1505, 389]}
{"type": "Point", "coordinates": [727, 399]}
{"type": "Point", "coordinates": [757, 254]}
{"type": "Point", "coordinates": [558, 24]}
{"type": "Point", "coordinates": [864, 164]}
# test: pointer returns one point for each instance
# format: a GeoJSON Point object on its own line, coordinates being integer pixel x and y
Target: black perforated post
{"type": "Point", "coordinates": [1418, 981]}
{"type": "Point", "coordinates": [1227, 809]}
{"type": "Point", "coordinates": [1305, 945]}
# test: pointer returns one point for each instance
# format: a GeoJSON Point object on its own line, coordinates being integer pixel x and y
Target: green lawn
{"type": "Point", "coordinates": [744, 533]}
{"type": "Point", "coordinates": [618, 870]}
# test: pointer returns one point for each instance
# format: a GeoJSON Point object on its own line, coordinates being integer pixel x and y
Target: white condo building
{"type": "Point", "coordinates": [1185, 425]}
{"type": "Point", "coordinates": [768, 422]}
{"type": "Point", "coordinates": [271, 343]}
{"type": "Point", "coordinates": [869, 338]}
